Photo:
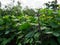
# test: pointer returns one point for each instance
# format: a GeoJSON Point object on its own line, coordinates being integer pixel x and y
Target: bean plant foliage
{"type": "Point", "coordinates": [27, 27]}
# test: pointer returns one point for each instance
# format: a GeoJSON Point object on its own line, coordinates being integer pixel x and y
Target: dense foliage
{"type": "Point", "coordinates": [27, 27]}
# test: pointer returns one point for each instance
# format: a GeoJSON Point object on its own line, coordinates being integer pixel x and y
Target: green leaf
{"type": "Point", "coordinates": [7, 32]}
{"type": "Point", "coordinates": [56, 34]}
{"type": "Point", "coordinates": [58, 39]}
{"type": "Point", "coordinates": [31, 40]}
{"type": "Point", "coordinates": [1, 21]}
{"type": "Point", "coordinates": [24, 26]}
{"type": "Point", "coordinates": [30, 34]}
{"type": "Point", "coordinates": [5, 41]}
{"type": "Point", "coordinates": [52, 42]}
{"type": "Point", "coordinates": [58, 19]}
{"type": "Point", "coordinates": [54, 25]}
{"type": "Point", "coordinates": [19, 44]}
